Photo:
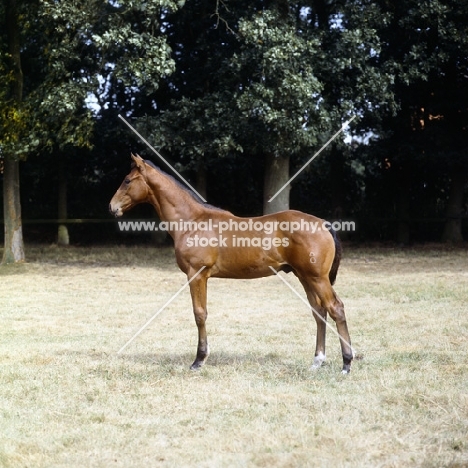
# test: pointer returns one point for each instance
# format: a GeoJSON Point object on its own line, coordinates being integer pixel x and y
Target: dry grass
{"type": "Point", "coordinates": [67, 400]}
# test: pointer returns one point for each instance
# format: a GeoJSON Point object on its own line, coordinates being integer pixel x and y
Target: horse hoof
{"type": "Point", "coordinates": [318, 361]}
{"type": "Point", "coordinates": [196, 366]}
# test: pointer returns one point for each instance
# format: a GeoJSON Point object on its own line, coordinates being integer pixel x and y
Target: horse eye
{"type": "Point", "coordinates": [127, 180]}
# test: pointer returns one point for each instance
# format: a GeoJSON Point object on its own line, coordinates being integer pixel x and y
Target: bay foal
{"type": "Point", "coordinates": [313, 257]}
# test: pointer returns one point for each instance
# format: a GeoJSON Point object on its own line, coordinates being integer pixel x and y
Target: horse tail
{"type": "Point", "coordinates": [336, 259]}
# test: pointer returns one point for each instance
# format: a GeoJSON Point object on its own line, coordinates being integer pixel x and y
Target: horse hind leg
{"type": "Point", "coordinates": [323, 299]}
{"type": "Point", "coordinates": [336, 310]}
{"type": "Point", "coordinates": [320, 316]}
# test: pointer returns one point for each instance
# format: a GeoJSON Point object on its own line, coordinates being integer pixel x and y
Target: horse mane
{"type": "Point", "coordinates": [183, 187]}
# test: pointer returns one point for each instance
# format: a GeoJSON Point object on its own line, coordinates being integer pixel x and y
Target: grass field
{"type": "Point", "coordinates": [67, 399]}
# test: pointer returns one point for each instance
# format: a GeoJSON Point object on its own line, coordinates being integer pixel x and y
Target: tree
{"type": "Point", "coordinates": [13, 119]}
{"type": "Point", "coordinates": [268, 80]}
{"type": "Point", "coordinates": [109, 50]}
{"type": "Point", "coordinates": [70, 52]}
{"type": "Point", "coordinates": [280, 98]}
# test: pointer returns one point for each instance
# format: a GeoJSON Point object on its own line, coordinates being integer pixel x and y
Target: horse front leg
{"type": "Point", "coordinates": [198, 292]}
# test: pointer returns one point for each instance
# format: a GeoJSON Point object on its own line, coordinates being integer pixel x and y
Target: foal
{"type": "Point", "coordinates": [209, 239]}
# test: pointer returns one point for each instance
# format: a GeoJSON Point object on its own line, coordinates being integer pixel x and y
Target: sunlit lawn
{"type": "Point", "coordinates": [67, 399]}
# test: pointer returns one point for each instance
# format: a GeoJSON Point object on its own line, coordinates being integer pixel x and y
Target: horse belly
{"type": "Point", "coordinates": [243, 273]}
{"type": "Point", "coordinates": [245, 263]}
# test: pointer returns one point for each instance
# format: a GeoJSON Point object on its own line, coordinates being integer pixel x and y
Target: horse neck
{"type": "Point", "coordinates": [171, 202]}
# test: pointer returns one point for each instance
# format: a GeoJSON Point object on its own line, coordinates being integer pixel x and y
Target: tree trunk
{"type": "Point", "coordinates": [276, 176]}
{"type": "Point", "coordinates": [453, 226]}
{"type": "Point", "coordinates": [14, 247]}
{"type": "Point", "coordinates": [62, 236]}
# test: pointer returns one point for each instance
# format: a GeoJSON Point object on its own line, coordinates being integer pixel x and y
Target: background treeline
{"type": "Point", "coordinates": [238, 95]}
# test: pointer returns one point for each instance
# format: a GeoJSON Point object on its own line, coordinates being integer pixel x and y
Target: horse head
{"type": "Point", "coordinates": [132, 191]}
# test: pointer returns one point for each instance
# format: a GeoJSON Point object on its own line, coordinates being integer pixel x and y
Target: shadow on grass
{"type": "Point", "coordinates": [150, 366]}
{"type": "Point", "coordinates": [220, 359]}
{"type": "Point", "coordinates": [270, 365]}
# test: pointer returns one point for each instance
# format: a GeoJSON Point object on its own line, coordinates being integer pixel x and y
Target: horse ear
{"type": "Point", "coordinates": [139, 162]}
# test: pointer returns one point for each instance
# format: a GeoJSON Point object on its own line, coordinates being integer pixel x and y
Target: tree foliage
{"type": "Point", "coordinates": [226, 88]}
{"type": "Point", "coordinates": [72, 51]}
{"type": "Point", "coordinates": [69, 52]}
{"type": "Point", "coordinates": [269, 78]}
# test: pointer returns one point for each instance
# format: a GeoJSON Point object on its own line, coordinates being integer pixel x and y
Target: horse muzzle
{"type": "Point", "coordinates": [115, 210]}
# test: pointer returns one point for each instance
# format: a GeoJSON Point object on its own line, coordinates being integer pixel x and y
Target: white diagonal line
{"type": "Point", "coordinates": [160, 310]}
{"type": "Point", "coordinates": [157, 154]}
{"type": "Point", "coordinates": [313, 310]}
{"type": "Point", "coordinates": [312, 158]}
